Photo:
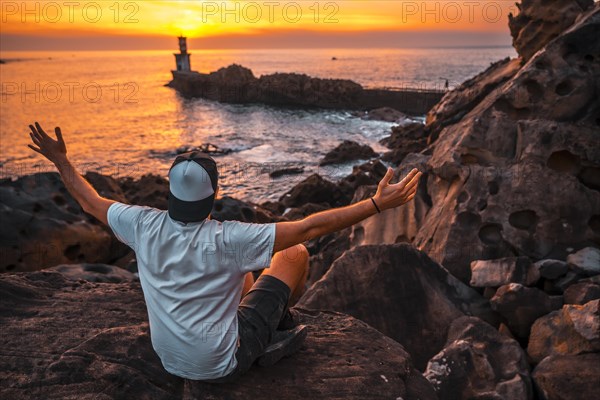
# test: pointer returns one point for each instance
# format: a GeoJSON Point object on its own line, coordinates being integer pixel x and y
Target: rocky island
{"type": "Point", "coordinates": [486, 286]}
{"type": "Point", "coordinates": [237, 84]}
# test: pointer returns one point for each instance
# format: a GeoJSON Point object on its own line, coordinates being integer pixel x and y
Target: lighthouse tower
{"type": "Point", "coordinates": [183, 58]}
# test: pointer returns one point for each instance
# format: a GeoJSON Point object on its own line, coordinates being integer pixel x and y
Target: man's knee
{"type": "Point", "coordinates": [297, 255]}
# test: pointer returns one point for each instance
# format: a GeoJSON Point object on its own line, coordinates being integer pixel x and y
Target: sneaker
{"type": "Point", "coordinates": [283, 344]}
{"type": "Point", "coordinates": [288, 321]}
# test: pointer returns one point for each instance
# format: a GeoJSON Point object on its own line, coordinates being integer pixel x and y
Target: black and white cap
{"type": "Point", "coordinates": [193, 180]}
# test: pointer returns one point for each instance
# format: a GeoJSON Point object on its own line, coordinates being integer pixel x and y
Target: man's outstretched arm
{"type": "Point", "coordinates": [388, 196]}
{"type": "Point", "coordinates": [80, 189]}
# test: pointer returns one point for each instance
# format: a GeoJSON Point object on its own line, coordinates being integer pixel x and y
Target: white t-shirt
{"type": "Point", "coordinates": [192, 277]}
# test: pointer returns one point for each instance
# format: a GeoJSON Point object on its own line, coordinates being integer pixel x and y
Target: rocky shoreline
{"type": "Point", "coordinates": [486, 286]}
{"type": "Point", "coordinates": [237, 84]}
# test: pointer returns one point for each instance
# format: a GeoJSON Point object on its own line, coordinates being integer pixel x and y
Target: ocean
{"type": "Point", "coordinates": [118, 118]}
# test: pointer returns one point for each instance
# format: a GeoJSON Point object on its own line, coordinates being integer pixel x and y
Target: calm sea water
{"type": "Point", "coordinates": [118, 117]}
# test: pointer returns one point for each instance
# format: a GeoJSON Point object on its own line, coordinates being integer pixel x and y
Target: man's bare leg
{"type": "Point", "coordinates": [291, 267]}
{"type": "Point", "coordinates": [248, 282]}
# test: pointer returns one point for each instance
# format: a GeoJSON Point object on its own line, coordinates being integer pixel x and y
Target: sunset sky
{"type": "Point", "coordinates": [112, 25]}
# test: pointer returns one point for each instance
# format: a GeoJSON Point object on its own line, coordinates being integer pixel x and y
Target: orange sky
{"type": "Point", "coordinates": [41, 23]}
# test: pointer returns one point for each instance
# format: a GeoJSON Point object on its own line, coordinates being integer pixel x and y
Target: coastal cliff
{"type": "Point", "coordinates": [486, 286]}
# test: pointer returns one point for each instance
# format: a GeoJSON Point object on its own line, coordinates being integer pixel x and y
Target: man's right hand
{"type": "Point", "coordinates": [394, 195]}
{"type": "Point", "coordinates": [53, 150]}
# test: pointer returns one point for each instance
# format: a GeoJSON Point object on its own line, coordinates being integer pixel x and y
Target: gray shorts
{"type": "Point", "coordinates": [259, 314]}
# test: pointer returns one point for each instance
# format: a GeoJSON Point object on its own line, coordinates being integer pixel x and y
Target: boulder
{"type": "Point", "coordinates": [303, 211]}
{"type": "Point", "coordinates": [502, 271]}
{"type": "Point", "coordinates": [568, 377]}
{"type": "Point", "coordinates": [229, 209]}
{"type": "Point", "coordinates": [536, 24]}
{"type": "Point", "coordinates": [573, 330]}
{"type": "Point", "coordinates": [66, 339]}
{"type": "Point", "coordinates": [106, 186]}
{"type": "Point", "coordinates": [582, 292]}
{"type": "Point", "coordinates": [521, 306]}
{"type": "Point", "coordinates": [479, 362]}
{"type": "Point", "coordinates": [504, 161]}
{"type": "Point", "coordinates": [43, 226]}
{"type": "Point", "coordinates": [315, 189]}
{"type": "Point", "coordinates": [405, 139]}
{"type": "Point", "coordinates": [586, 260]}
{"type": "Point", "coordinates": [369, 173]}
{"type": "Point", "coordinates": [563, 283]}
{"type": "Point", "coordinates": [348, 151]}
{"type": "Point", "coordinates": [101, 273]}
{"type": "Point", "coordinates": [387, 114]}
{"type": "Point", "coordinates": [286, 171]}
{"type": "Point", "coordinates": [324, 251]}
{"type": "Point", "coordinates": [399, 291]}
{"type": "Point", "coordinates": [148, 190]}
{"type": "Point", "coordinates": [552, 269]}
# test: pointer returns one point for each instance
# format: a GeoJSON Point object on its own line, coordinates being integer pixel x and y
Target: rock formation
{"type": "Point", "coordinates": [521, 306]}
{"type": "Point", "coordinates": [405, 139]}
{"type": "Point", "coordinates": [237, 84]}
{"type": "Point", "coordinates": [348, 151]}
{"type": "Point", "coordinates": [514, 163]}
{"type": "Point", "coordinates": [572, 330]}
{"type": "Point", "coordinates": [43, 226]}
{"type": "Point", "coordinates": [509, 203]}
{"type": "Point", "coordinates": [479, 362]}
{"type": "Point", "coordinates": [568, 377]}
{"type": "Point", "coordinates": [537, 24]}
{"type": "Point", "coordinates": [399, 291]}
{"type": "Point", "coordinates": [66, 339]}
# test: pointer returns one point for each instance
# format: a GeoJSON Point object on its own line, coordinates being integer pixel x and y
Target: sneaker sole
{"type": "Point", "coordinates": [283, 349]}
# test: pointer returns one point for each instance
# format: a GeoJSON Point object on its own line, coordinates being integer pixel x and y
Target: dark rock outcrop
{"type": "Point", "coordinates": [399, 291]}
{"type": "Point", "coordinates": [43, 226]}
{"type": "Point", "coordinates": [65, 339]}
{"type": "Point", "coordinates": [572, 330]}
{"type": "Point", "coordinates": [230, 209]}
{"type": "Point", "coordinates": [387, 114]}
{"type": "Point", "coordinates": [521, 306]}
{"type": "Point", "coordinates": [101, 273]}
{"type": "Point", "coordinates": [286, 171]}
{"type": "Point", "coordinates": [568, 377]}
{"type": "Point", "coordinates": [348, 151]}
{"type": "Point", "coordinates": [552, 269]}
{"type": "Point", "coordinates": [369, 173]}
{"type": "Point", "coordinates": [315, 189]}
{"type": "Point", "coordinates": [582, 292]}
{"type": "Point", "coordinates": [237, 84]}
{"type": "Point", "coordinates": [479, 362]}
{"type": "Point", "coordinates": [405, 139]}
{"type": "Point", "coordinates": [149, 190]}
{"type": "Point", "coordinates": [537, 24]}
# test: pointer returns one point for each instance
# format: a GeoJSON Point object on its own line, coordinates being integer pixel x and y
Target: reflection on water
{"type": "Point", "coordinates": [119, 118]}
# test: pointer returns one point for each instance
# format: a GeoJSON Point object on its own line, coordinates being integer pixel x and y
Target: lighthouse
{"type": "Point", "coordinates": [183, 58]}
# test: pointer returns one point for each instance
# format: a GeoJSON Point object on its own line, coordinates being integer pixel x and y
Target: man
{"type": "Point", "coordinates": [193, 270]}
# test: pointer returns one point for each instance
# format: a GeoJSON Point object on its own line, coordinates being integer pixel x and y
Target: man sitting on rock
{"type": "Point", "coordinates": [193, 270]}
